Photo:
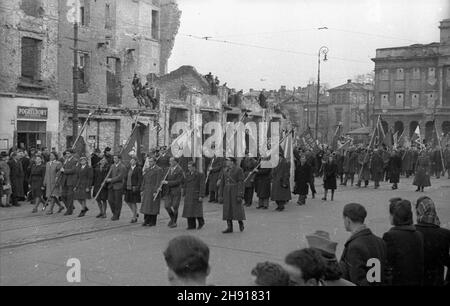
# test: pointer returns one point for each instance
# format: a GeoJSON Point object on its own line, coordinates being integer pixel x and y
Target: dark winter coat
{"type": "Point", "coordinates": [17, 177]}
{"type": "Point", "coordinates": [377, 167]}
{"type": "Point", "coordinates": [263, 180]}
{"type": "Point", "coordinates": [358, 249]}
{"type": "Point", "coordinates": [422, 176]}
{"type": "Point", "coordinates": [36, 180]}
{"type": "Point", "coordinates": [302, 177]}
{"type": "Point", "coordinates": [99, 176]}
{"type": "Point", "coordinates": [405, 255]}
{"type": "Point", "coordinates": [194, 188]}
{"type": "Point", "coordinates": [330, 171]}
{"type": "Point", "coordinates": [84, 184]}
{"type": "Point", "coordinates": [150, 183]}
{"type": "Point", "coordinates": [233, 192]}
{"type": "Point", "coordinates": [351, 162]}
{"type": "Point", "coordinates": [395, 167]}
{"type": "Point", "coordinates": [436, 252]}
{"type": "Point", "coordinates": [281, 190]}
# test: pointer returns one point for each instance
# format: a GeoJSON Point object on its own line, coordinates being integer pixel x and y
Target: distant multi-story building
{"type": "Point", "coordinates": [350, 106]}
{"type": "Point", "coordinates": [412, 86]}
{"type": "Point", "coordinates": [117, 39]}
{"type": "Point", "coordinates": [29, 109]}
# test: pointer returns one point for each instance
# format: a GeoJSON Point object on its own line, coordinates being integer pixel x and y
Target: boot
{"type": "Point", "coordinates": [174, 223]}
{"type": "Point", "coordinates": [171, 215]}
{"type": "Point", "coordinates": [191, 223]}
{"type": "Point", "coordinates": [146, 220]}
{"type": "Point", "coordinates": [100, 207]}
{"type": "Point", "coordinates": [104, 205]}
{"type": "Point", "coordinates": [201, 223]}
{"type": "Point", "coordinates": [153, 219]}
{"type": "Point", "coordinates": [229, 227]}
{"type": "Point", "coordinates": [241, 226]}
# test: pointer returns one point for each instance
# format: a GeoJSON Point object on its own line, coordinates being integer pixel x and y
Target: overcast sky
{"type": "Point", "coordinates": [356, 28]}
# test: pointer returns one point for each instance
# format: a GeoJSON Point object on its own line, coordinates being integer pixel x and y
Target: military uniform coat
{"type": "Point", "coordinates": [281, 190]}
{"type": "Point", "coordinates": [422, 177]}
{"type": "Point", "coordinates": [233, 194]}
{"type": "Point", "coordinates": [85, 179]}
{"type": "Point", "coordinates": [194, 188]}
{"type": "Point", "coordinates": [150, 183]}
{"type": "Point", "coordinates": [52, 178]}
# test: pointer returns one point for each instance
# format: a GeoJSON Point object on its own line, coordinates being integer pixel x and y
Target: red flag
{"type": "Point", "coordinates": [133, 146]}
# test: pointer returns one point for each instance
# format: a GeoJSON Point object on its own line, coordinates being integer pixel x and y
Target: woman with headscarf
{"type": "Point", "coordinates": [422, 177]}
{"type": "Point", "coordinates": [436, 242]}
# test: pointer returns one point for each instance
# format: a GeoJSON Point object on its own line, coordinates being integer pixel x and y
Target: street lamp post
{"type": "Point", "coordinates": [322, 51]}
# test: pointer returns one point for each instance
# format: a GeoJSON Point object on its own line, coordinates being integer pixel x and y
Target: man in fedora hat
{"type": "Point", "coordinates": [281, 191]}
{"type": "Point", "coordinates": [321, 241]}
{"type": "Point", "coordinates": [69, 180]}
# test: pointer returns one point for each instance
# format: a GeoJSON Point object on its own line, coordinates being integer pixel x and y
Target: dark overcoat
{"type": "Point", "coordinates": [99, 176]}
{"type": "Point", "coordinates": [248, 164]}
{"type": "Point", "coordinates": [422, 176]}
{"type": "Point", "coordinates": [340, 163]}
{"type": "Point", "coordinates": [405, 255]}
{"type": "Point", "coordinates": [395, 167]}
{"type": "Point", "coordinates": [358, 249]}
{"type": "Point", "coordinates": [133, 195]}
{"type": "Point", "coordinates": [330, 171]}
{"type": "Point", "coordinates": [233, 193]}
{"type": "Point", "coordinates": [85, 180]}
{"type": "Point", "coordinates": [363, 160]}
{"type": "Point", "coordinates": [37, 175]}
{"type": "Point", "coordinates": [70, 177]}
{"type": "Point", "coordinates": [16, 176]}
{"type": "Point", "coordinates": [302, 178]}
{"type": "Point", "coordinates": [377, 166]}
{"type": "Point", "coordinates": [150, 183]}
{"type": "Point", "coordinates": [351, 162]}
{"type": "Point", "coordinates": [214, 173]}
{"type": "Point", "coordinates": [407, 161]}
{"type": "Point", "coordinates": [263, 178]}
{"type": "Point", "coordinates": [436, 252]}
{"type": "Point", "coordinates": [194, 188]}
{"type": "Point", "coordinates": [281, 189]}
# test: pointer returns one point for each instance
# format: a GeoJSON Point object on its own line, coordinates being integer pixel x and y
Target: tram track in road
{"type": "Point", "coordinates": [33, 240]}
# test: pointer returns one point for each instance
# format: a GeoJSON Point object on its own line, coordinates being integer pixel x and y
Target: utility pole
{"type": "Point", "coordinates": [307, 105]}
{"type": "Point", "coordinates": [75, 82]}
{"type": "Point", "coordinates": [322, 51]}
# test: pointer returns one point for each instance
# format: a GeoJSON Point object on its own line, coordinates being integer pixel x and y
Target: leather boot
{"type": "Point", "coordinates": [229, 227]}
{"type": "Point", "coordinates": [174, 223]}
{"type": "Point", "coordinates": [241, 226]}
{"type": "Point", "coordinates": [171, 215]}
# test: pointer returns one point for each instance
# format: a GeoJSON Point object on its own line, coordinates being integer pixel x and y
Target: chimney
{"type": "Point", "coordinates": [282, 91]}
{"type": "Point", "coordinates": [349, 81]}
{"type": "Point", "coordinates": [251, 89]}
{"type": "Point", "coordinates": [445, 31]}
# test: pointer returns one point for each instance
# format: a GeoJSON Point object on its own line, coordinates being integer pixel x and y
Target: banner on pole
{"type": "Point", "coordinates": [308, 142]}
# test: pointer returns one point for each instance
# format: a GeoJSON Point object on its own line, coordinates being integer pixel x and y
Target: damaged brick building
{"type": "Point", "coordinates": [117, 39]}
{"type": "Point", "coordinates": [28, 73]}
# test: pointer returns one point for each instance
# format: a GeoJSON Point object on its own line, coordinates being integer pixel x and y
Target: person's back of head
{"type": "Point", "coordinates": [270, 274]}
{"type": "Point", "coordinates": [306, 267]}
{"type": "Point", "coordinates": [400, 211]}
{"type": "Point", "coordinates": [354, 215]}
{"type": "Point", "coordinates": [187, 258]}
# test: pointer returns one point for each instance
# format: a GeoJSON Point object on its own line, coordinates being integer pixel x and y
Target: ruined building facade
{"type": "Point", "coordinates": [29, 108]}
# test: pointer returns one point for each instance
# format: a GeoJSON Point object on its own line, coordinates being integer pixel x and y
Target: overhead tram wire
{"type": "Point", "coordinates": [210, 38]}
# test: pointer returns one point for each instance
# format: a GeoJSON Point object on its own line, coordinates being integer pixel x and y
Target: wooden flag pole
{"type": "Point", "coordinates": [440, 147]}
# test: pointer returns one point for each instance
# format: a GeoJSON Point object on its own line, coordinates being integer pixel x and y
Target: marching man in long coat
{"type": "Point", "coordinates": [302, 175]}
{"type": "Point", "coordinates": [51, 182]}
{"type": "Point", "coordinates": [281, 191]}
{"type": "Point", "coordinates": [263, 177]}
{"type": "Point", "coordinates": [395, 167]}
{"type": "Point", "coordinates": [151, 180]}
{"type": "Point", "coordinates": [172, 191]}
{"type": "Point", "coordinates": [377, 167]}
{"type": "Point", "coordinates": [194, 190]}
{"type": "Point", "coordinates": [248, 165]}
{"type": "Point", "coordinates": [214, 169]}
{"type": "Point", "coordinates": [423, 167]}
{"type": "Point", "coordinates": [364, 172]}
{"type": "Point", "coordinates": [350, 165]}
{"type": "Point", "coordinates": [232, 181]}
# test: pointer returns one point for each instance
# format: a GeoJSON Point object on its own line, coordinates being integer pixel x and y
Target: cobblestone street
{"type": "Point", "coordinates": [34, 249]}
